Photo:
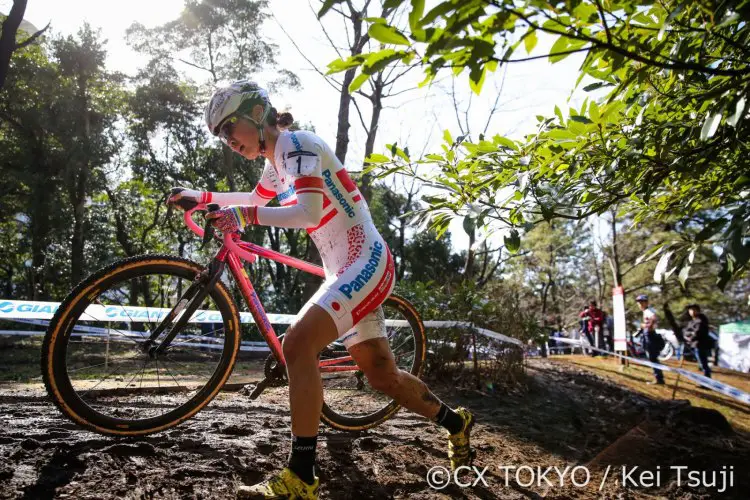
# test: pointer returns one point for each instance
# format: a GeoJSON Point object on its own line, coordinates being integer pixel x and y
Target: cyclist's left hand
{"type": "Point", "coordinates": [231, 219]}
{"type": "Point", "coordinates": [190, 195]}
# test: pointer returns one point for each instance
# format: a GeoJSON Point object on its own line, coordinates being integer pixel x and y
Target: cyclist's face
{"type": "Point", "coordinates": [242, 136]}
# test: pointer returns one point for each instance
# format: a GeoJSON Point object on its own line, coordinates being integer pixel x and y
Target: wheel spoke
{"type": "Point", "coordinates": [116, 377]}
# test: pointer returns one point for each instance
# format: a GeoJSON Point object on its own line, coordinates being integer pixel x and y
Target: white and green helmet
{"type": "Point", "coordinates": [237, 99]}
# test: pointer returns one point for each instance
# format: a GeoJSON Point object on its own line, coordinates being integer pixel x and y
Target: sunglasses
{"type": "Point", "coordinates": [227, 129]}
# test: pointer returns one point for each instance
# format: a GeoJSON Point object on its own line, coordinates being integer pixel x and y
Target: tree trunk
{"type": "Point", "coordinates": [599, 273]}
{"type": "Point", "coordinates": [469, 267]}
{"type": "Point", "coordinates": [345, 99]}
{"type": "Point", "coordinates": [9, 283]}
{"type": "Point", "coordinates": [77, 240]}
{"type": "Point", "coordinates": [615, 260]}
{"type": "Point", "coordinates": [40, 229]}
{"type": "Point", "coordinates": [228, 166]}
{"type": "Point", "coordinates": [122, 233]}
{"type": "Point", "coordinates": [43, 194]}
{"type": "Point", "coordinates": [401, 263]}
{"type": "Point", "coordinates": [311, 282]}
{"type": "Point", "coordinates": [545, 296]}
{"type": "Point", "coordinates": [8, 37]}
{"type": "Point", "coordinates": [377, 107]}
{"type": "Point", "coordinates": [342, 131]}
{"type": "Point", "coordinates": [77, 184]}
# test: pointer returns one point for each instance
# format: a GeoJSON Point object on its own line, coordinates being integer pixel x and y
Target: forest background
{"type": "Point", "coordinates": [636, 177]}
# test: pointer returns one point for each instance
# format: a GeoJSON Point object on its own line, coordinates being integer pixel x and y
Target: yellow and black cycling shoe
{"type": "Point", "coordinates": [286, 485]}
{"type": "Point", "coordinates": [459, 446]}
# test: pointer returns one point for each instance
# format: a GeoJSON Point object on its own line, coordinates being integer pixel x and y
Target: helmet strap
{"type": "Point", "coordinates": [261, 141]}
{"type": "Point", "coordinates": [259, 126]}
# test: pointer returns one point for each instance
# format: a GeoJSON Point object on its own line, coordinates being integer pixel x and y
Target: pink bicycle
{"type": "Point", "coordinates": [145, 343]}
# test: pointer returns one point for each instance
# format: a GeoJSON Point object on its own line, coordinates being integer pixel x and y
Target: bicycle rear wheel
{"type": "Point", "coordinates": [349, 403]}
{"type": "Point", "coordinates": [100, 373]}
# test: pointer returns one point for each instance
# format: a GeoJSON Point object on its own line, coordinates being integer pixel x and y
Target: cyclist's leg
{"type": "Point", "coordinates": [375, 359]}
{"type": "Point", "coordinates": [304, 339]}
{"type": "Point", "coordinates": [311, 331]}
{"type": "Point", "coordinates": [340, 303]}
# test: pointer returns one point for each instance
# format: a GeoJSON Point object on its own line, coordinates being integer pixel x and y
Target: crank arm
{"type": "Point", "coordinates": [262, 385]}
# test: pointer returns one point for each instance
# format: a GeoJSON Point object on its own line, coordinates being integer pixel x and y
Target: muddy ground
{"type": "Point", "coordinates": [561, 416]}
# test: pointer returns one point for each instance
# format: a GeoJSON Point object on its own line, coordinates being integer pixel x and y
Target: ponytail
{"type": "Point", "coordinates": [282, 120]}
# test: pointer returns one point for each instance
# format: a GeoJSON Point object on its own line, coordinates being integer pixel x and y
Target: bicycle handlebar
{"type": "Point", "coordinates": [228, 238]}
{"type": "Point", "coordinates": [188, 216]}
{"type": "Point", "coordinates": [230, 241]}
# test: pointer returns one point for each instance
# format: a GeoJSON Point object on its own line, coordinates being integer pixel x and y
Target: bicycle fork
{"type": "Point", "coordinates": [189, 302]}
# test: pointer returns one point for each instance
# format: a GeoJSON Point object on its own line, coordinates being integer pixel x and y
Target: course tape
{"type": "Point", "coordinates": [468, 325]}
{"type": "Point", "coordinates": [244, 346]}
{"type": "Point", "coordinates": [22, 309]}
{"type": "Point", "coordinates": [715, 385]}
{"type": "Point", "coordinates": [37, 310]}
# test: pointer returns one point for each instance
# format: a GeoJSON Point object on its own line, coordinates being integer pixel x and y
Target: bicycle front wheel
{"type": "Point", "coordinates": [349, 403]}
{"type": "Point", "coordinates": [97, 366]}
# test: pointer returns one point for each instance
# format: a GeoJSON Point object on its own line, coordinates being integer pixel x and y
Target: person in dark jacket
{"type": "Point", "coordinates": [697, 337]}
{"type": "Point", "coordinates": [653, 342]}
{"type": "Point", "coordinates": [594, 318]}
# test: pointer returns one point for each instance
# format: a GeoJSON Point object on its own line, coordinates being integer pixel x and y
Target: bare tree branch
{"type": "Point", "coordinates": [408, 68]}
{"type": "Point", "coordinates": [604, 21]}
{"type": "Point", "coordinates": [599, 44]}
{"type": "Point", "coordinates": [455, 105]}
{"type": "Point", "coordinates": [361, 118]}
{"type": "Point", "coordinates": [325, 32]}
{"type": "Point", "coordinates": [193, 65]}
{"type": "Point", "coordinates": [466, 113]}
{"type": "Point", "coordinates": [33, 37]}
{"type": "Point", "coordinates": [333, 83]}
{"type": "Point", "coordinates": [497, 100]}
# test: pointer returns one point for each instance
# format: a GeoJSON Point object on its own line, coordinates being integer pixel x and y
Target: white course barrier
{"type": "Point", "coordinates": [35, 312]}
{"type": "Point", "coordinates": [715, 385]}
{"type": "Point", "coordinates": [22, 309]}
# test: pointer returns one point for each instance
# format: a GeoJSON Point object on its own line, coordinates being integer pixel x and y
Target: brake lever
{"type": "Point", "coordinates": [209, 230]}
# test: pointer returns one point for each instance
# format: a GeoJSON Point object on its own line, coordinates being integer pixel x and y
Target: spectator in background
{"type": "Point", "coordinates": [595, 323]}
{"type": "Point", "coordinates": [653, 342]}
{"type": "Point", "coordinates": [584, 329]}
{"type": "Point", "coordinates": [697, 337]}
{"type": "Point", "coordinates": [609, 324]}
{"type": "Point", "coordinates": [584, 321]}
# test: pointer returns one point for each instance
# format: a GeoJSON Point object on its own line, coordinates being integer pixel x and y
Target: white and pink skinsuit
{"type": "Point", "coordinates": [316, 193]}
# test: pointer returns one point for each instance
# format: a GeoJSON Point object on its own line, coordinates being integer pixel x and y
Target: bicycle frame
{"type": "Point", "coordinates": [232, 252]}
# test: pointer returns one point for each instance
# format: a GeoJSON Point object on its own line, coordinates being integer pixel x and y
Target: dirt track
{"type": "Point", "coordinates": [562, 417]}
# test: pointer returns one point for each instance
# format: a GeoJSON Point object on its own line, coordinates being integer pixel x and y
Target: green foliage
{"type": "Point", "coordinates": [88, 156]}
{"type": "Point", "coordinates": [667, 139]}
{"type": "Point", "coordinates": [498, 307]}
{"type": "Point", "coordinates": [218, 36]}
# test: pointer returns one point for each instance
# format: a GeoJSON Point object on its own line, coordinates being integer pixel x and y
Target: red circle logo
{"type": "Point", "coordinates": [336, 306]}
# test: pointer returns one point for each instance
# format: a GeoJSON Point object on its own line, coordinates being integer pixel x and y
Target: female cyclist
{"type": "Point", "coordinates": [316, 193]}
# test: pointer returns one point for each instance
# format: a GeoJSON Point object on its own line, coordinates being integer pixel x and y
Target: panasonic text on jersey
{"type": "Point", "coordinates": [296, 143]}
{"type": "Point", "coordinates": [286, 194]}
{"type": "Point", "coordinates": [338, 194]}
{"type": "Point", "coordinates": [367, 272]}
